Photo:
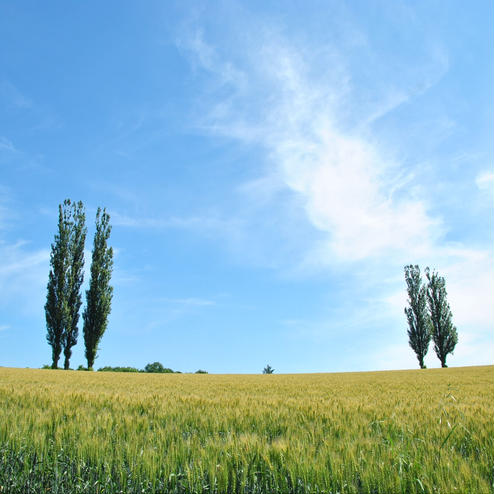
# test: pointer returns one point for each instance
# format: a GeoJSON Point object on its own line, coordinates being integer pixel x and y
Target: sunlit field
{"type": "Point", "coordinates": [377, 432]}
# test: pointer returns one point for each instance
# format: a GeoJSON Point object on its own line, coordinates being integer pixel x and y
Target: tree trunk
{"type": "Point", "coordinates": [54, 358]}
{"type": "Point", "coordinates": [68, 354]}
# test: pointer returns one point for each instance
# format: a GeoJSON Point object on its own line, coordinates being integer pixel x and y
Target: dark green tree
{"type": "Point", "coordinates": [444, 334]}
{"type": "Point", "coordinates": [157, 368]}
{"type": "Point", "coordinates": [100, 293]}
{"type": "Point", "coordinates": [63, 299]}
{"type": "Point", "coordinates": [75, 277]}
{"type": "Point", "coordinates": [268, 370]}
{"type": "Point", "coordinates": [419, 334]}
{"type": "Point", "coordinates": [56, 307]}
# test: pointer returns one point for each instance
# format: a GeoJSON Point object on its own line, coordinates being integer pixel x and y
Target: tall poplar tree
{"type": "Point", "coordinates": [75, 277]}
{"type": "Point", "coordinates": [56, 307]}
{"type": "Point", "coordinates": [444, 334]}
{"type": "Point", "coordinates": [419, 333]}
{"type": "Point", "coordinates": [99, 295]}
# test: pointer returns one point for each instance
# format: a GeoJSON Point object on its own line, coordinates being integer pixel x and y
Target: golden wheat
{"type": "Point", "coordinates": [400, 431]}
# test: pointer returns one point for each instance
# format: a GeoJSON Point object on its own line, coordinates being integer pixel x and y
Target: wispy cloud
{"type": "Point", "coordinates": [208, 58]}
{"type": "Point", "coordinates": [39, 116]}
{"type": "Point", "coordinates": [23, 276]}
{"type": "Point", "coordinates": [5, 214]}
{"type": "Point", "coordinates": [485, 180]}
{"type": "Point", "coordinates": [350, 190]}
{"type": "Point", "coordinates": [158, 313]}
{"type": "Point", "coordinates": [204, 224]}
{"type": "Point", "coordinates": [188, 302]}
{"type": "Point", "coordinates": [6, 145]}
{"type": "Point", "coordinates": [23, 270]}
{"type": "Point", "coordinates": [17, 263]}
{"type": "Point", "coordinates": [12, 96]}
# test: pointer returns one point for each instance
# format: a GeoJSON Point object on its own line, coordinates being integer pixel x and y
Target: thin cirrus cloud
{"type": "Point", "coordinates": [349, 189]}
{"type": "Point", "coordinates": [6, 145]}
{"type": "Point", "coordinates": [485, 180]}
{"type": "Point", "coordinates": [188, 302]}
{"type": "Point", "coordinates": [23, 275]}
{"type": "Point", "coordinates": [11, 96]}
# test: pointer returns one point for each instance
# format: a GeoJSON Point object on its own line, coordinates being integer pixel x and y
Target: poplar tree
{"type": "Point", "coordinates": [56, 307]}
{"type": "Point", "coordinates": [99, 295]}
{"type": "Point", "coordinates": [419, 334]}
{"type": "Point", "coordinates": [444, 334]}
{"type": "Point", "coordinates": [74, 279]}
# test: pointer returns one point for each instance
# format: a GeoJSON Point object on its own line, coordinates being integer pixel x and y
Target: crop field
{"type": "Point", "coordinates": [375, 432]}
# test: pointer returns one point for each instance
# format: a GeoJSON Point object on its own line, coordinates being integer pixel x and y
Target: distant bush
{"type": "Point", "coordinates": [117, 369]}
{"type": "Point", "coordinates": [46, 366]}
{"type": "Point", "coordinates": [157, 368]}
{"type": "Point", "coordinates": [200, 371]}
{"type": "Point", "coordinates": [268, 370]}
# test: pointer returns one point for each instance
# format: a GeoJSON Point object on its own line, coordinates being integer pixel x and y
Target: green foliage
{"type": "Point", "coordinates": [63, 298]}
{"type": "Point", "coordinates": [56, 302]}
{"type": "Point", "coordinates": [419, 332]}
{"type": "Point", "coordinates": [444, 334]}
{"type": "Point", "coordinates": [268, 370]}
{"type": "Point", "coordinates": [118, 369]}
{"type": "Point", "coordinates": [157, 368]}
{"type": "Point", "coordinates": [200, 371]}
{"type": "Point", "coordinates": [154, 368]}
{"type": "Point", "coordinates": [46, 366]}
{"type": "Point", "coordinates": [75, 279]}
{"type": "Point", "coordinates": [100, 293]}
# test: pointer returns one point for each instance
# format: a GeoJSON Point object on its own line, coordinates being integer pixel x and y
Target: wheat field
{"type": "Point", "coordinates": [375, 432]}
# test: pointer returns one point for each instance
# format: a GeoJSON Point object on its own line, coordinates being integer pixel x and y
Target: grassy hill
{"type": "Point", "coordinates": [375, 432]}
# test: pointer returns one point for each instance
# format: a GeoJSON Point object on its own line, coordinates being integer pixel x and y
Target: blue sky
{"type": "Point", "coordinates": [269, 169]}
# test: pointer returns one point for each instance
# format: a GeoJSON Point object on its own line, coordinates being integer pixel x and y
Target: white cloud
{"type": "Point", "coordinates": [23, 275]}
{"type": "Point", "coordinates": [17, 262]}
{"type": "Point", "coordinates": [472, 349]}
{"type": "Point", "coordinates": [485, 180]}
{"type": "Point", "coordinates": [208, 59]}
{"type": "Point", "coordinates": [470, 286]}
{"type": "Point", "coordinates": [349, 188]}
